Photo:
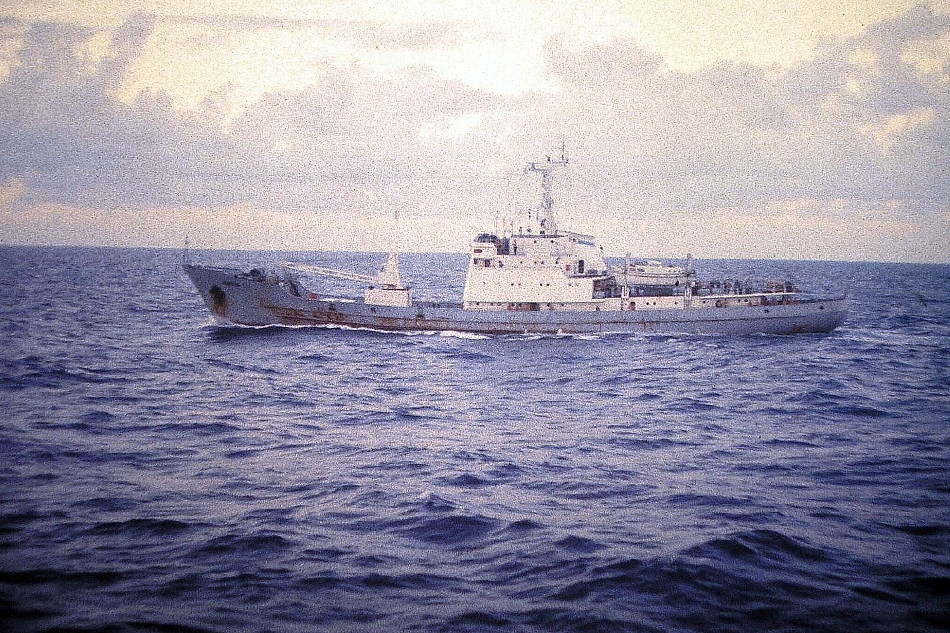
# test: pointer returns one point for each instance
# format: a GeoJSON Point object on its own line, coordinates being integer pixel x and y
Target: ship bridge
{"type": "Point", "coordinates": [536, 262]}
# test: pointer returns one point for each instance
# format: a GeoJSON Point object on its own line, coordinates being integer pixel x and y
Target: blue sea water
{"type": "Point", "coordinates": [158, 473]}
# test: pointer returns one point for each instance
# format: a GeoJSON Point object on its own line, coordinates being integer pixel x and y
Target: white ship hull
{"type": "Point", "coordinates": [236, 297]}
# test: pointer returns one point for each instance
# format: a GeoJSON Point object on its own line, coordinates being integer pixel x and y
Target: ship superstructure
{"type": "Point", "coordinates": [536, 264]}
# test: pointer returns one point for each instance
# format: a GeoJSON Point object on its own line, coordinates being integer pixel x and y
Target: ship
{"type": "Point", "coordinates": [533, 277]}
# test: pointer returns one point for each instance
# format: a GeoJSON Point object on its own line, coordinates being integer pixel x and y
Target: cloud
{"type": "Point", "coordinates": [10, 192]}
{"type": "Point", "coordinates": [366, 33]}
{"type": "Point", "coordinates": [71, 140]}
{"type": "Point", "coordinates": [858, 121]}
{"type": "Point", "coordinates": [64, 133]}
{"type": "Point", "coordinates": [918, 22]}
{"type": "Point", "coordinates": [127, 44]}
{"type": "Point", "coordinates": [733, 134]}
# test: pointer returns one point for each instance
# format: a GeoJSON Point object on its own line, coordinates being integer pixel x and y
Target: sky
{"type": "Point", "coordinates": [806, 129]}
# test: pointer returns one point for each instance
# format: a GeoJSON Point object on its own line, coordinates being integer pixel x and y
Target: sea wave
{"type": "Point", "coordinates": [165, 474]}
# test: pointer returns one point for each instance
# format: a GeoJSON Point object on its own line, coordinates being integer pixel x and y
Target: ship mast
{"type": "Point", "coordinates": [546, 211]}
{"type": "Point", "coordinates": [389, 276]}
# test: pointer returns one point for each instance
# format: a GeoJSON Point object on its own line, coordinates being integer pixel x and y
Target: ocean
{"type": "Point", "coordinates": [158, 473]}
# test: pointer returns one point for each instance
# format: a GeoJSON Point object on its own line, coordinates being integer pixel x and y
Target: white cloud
{"type": "Point", "coordinates": [859, 122]}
